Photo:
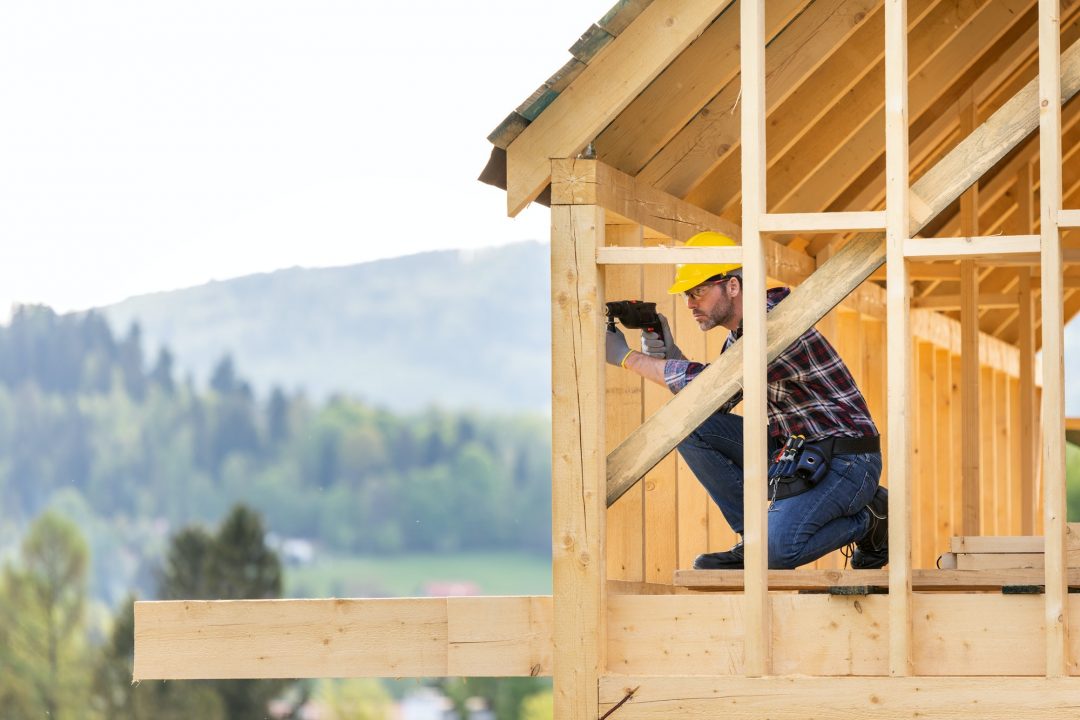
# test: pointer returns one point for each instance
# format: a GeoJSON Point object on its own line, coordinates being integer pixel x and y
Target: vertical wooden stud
{"type": "Point", "coordinates": [956, 487]}
{"type": "Point", "coordinates": [1012, 443]}
{"type": "Point", "coordinates": [661, 485]}
{"type": "Point", "coordinates": [623, 406]}
{"type": "Point", "coordinates": [1028, 434]}
{"type": "Point", "coordinates": [984, 424]}
{"type": "Point", "coordinates": [1000, 441]}
{"type": "Point", "coordinates": [969, 345]}
{"type": "Point", "coordinates": [943, 475]}
{"type": "Point", "coordinates": [693, 501]}
{"type": "Point", "coordinates": [926, 457]}
{"type": "Point", "coordinates": [1053, 403]}
{"type": "Point", "coordinates": [721, 536]}
{"type": "Point", "coordinates": [578, 460]}
{"type": "Point", "coordinates": [755, 439]}
{"type": "Point", "coordinates": [899, 336]}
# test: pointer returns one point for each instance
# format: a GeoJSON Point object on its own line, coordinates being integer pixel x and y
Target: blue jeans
{"type": "Point", "coordinates": [801, 528]}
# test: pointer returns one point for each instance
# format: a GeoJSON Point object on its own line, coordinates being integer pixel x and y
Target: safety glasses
{"type": "Point", "coordinates": [698, 291]}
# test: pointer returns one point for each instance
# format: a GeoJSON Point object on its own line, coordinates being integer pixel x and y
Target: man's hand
{"type": "Point", "coordinates": [617, 349]}
{"type": "Point", "coordinates": [655, 346]}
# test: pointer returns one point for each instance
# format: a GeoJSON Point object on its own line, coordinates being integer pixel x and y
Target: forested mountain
{"type": "Point", "coordinates": [458, 329]}
{"type": "Point", "coordinates": [86, 423]}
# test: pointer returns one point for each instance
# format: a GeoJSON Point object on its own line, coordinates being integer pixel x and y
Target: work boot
{"type": "Point", "coordinates": [872, 550]}
{"type": "Point", "coordinates": [728, 560]}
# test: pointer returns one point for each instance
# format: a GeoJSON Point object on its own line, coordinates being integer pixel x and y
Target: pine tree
{"type": "Point", "coordinates": [44, 603]}
{"type": "Point", "coordinates": [235, 563]}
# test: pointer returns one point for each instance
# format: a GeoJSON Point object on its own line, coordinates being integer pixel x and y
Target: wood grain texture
{"type": "Point", "coordinates": [577, 509]}
{"type": "Point", "coordinates": [402, 637]}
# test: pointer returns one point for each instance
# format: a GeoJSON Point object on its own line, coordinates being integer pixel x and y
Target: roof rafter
{"type": "Point", "coordinates": [604, 88]}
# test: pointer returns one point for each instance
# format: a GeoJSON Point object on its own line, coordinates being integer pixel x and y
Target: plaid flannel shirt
{"type": "Point", "coordinates": [811, 392]}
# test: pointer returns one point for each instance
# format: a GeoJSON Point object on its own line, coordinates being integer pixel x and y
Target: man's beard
{"type": "Point", "coordinates": [719, 316]}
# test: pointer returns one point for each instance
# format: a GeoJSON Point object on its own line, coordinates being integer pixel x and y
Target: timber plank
{"type": "Point", "coordinates": [188, 639]}
{"type": "Point", "coordinates": [804, 698]}
{"type": "Point", "coordinates": [922, 579]}
{"type": "Point", "coordinates": [577, 463]}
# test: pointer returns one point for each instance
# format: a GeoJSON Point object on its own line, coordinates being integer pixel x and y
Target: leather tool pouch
{"type": "Point", "coordinates": [797, 467]}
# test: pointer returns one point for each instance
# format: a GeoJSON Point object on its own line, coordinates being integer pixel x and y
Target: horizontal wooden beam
{"type": "Point", "coordinates": [405, 637]}
{"type": "Point", "coordinates": [1072, 423]}
{"type": "Point", "coordinates": [1069, 219]}
{"type": "Point", "coordinates": [823, 222]}
{"type": "Point", "coordinates": [660, 629]}
{"type": "Point", "coordinates": [925, 271]}
{"type": "Point", "coordinates": [984, 301]}
{"type": "Point", "coordinates": [970, 248]}
{"type": "Point", "coordinates": [922, 579]}
{"type": "Point", "coordinates": [590, 182]}
{"type": "Point", "coordinates": [667, 255]}
{"type": "Point", "coordinates": [1011, 543]}
{"type": "Point", "coordinates": [1007, 561]}
{"type": "Point", "coordinates": [798, 698]}
{"type": "Point", "coordinates": [823, 634]}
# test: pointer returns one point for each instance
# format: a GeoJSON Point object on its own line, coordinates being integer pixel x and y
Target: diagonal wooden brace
{"type": "Point", "coordinates": [833, 281]}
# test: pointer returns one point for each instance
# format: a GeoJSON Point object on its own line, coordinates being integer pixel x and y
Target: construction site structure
{"type": "Point", "coordinates": [911, 168]}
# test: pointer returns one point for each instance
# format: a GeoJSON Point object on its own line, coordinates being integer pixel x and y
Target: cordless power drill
{"type": "Point", "coordinates": [636, 315]}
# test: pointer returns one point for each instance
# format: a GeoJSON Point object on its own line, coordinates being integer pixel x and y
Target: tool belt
{"type": "Point", "coordinates": [799, 465]}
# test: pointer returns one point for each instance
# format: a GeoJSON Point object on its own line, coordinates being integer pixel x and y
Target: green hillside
{"type": "Point", "coordinates": [461, 329]}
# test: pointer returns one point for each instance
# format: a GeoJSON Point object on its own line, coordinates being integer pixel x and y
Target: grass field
{"type": "Point", "coordinates": [409, 575]}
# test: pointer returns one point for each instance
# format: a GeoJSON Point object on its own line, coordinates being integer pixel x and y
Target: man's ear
{"type": "Point", "coordinates": [735, 281]}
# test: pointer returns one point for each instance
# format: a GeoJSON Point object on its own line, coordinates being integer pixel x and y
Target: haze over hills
{"type": "Point", "coordinates": [461, 329]}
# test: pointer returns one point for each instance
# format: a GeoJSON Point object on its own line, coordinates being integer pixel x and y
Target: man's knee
{"type": "Point", "coordinates": [783, 555]}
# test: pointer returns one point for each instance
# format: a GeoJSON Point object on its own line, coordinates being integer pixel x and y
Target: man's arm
{"type": "Point", "coordinates": [650, 368]}
{"type": "Point", "coordinates": [672, 374]}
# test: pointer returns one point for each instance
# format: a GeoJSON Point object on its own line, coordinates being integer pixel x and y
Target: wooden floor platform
{"type": "Point", "coordinates": [1013, 580]}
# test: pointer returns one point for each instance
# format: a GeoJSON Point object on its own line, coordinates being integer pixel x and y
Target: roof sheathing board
{"type": "Point", "coordinates": [591, 43]}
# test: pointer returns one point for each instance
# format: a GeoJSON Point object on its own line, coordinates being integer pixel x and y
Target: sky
{"type": "Point", "coordinates": [149, 145]}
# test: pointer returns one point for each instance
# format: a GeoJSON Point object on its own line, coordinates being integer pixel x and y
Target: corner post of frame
{"type": "Point", "coordinates": [578, 466]}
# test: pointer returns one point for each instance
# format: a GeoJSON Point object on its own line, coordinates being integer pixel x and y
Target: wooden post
{"type": "Point", "coordinates": [623, 405]}
{"type": "Point", "coordinates": [969, 347]}
{"type": "Point", "coordinates": [898, 332]}
{"type": "Point", "coordinates": [578, 467]}
{"type": "Point", "coordinates": [1026, 341]}
{"type": "Point", "coordinates": [661, 483]}
{"type": "Point", "coordinates": [758, 639]}
{"type": "Point", "coordinates": [1053, 321]}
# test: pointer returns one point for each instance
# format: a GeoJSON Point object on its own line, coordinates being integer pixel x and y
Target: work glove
{"type": "Point", "coordinates": [661, 347]}
{"type": "Point", "coordinates": [616, 346]}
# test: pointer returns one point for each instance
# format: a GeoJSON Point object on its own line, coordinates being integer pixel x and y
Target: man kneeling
{"type": "Point", "coordinates": [824, 448]}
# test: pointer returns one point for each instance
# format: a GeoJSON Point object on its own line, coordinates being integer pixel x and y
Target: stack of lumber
{"type": "Point", "coordinates": [1006, 552]}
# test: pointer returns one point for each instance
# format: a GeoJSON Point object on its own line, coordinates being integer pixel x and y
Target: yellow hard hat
{"type": "Point", "coordinates": [688, 275]}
